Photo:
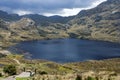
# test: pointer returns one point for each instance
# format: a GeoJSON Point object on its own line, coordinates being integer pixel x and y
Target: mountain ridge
{"type": "Point", "coordinates": [99, 23]}
{"type": "Point", "coordinates": [39, 19]}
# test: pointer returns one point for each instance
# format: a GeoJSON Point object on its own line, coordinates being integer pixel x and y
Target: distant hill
{"type": "Point", "coordinates": [39, 19]}
{"type": "Point", "coordinates": [8, 17]}
{"type": "Point", "coordinates": [45, 21]}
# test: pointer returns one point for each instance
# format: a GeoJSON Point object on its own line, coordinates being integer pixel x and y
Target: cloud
{"type": "Point", "coordinates": [65, 12]}
{"type": "Point", "coordinates": [74, 11]}
{"type": "Point", "coordinates": [47, 7]}
{"type": "Point", "coordinates": [22, 12]}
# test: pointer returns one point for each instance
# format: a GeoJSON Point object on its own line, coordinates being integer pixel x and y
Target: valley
{"type": "Point", "coordinates": [101, 23]}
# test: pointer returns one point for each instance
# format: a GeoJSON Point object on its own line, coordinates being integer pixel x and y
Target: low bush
{"type": "Point", "coordinates": [10, 69]}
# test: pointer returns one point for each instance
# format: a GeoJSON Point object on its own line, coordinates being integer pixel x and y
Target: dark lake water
{"type": "Point", "coordinates": [68, 50]}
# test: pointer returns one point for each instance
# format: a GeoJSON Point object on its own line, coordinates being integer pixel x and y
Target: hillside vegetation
{"type": "Point", "coordinates": [99, 23]}
{"type": "Point", "coordinates": [98, 70]}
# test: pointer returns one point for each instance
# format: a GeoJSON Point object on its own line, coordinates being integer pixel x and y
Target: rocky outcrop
{"type": "Point", "coordinates": [23, 29]}
{"type": "Point", "coordinates": [5, 52]}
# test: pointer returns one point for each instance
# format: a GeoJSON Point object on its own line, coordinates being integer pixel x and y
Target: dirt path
{"type": "Point", "coordinates": [24, 74]}
{"type": "Point", "coordinates": [10, 78]}
{"type": "Point", "coordinates": [17, 61]}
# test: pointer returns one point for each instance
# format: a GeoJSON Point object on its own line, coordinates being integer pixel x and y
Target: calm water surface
{"type": "Point", "coordinates": [68, 50]}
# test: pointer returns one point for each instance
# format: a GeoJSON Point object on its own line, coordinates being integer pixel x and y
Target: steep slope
{"type": "Point", "coordinates": [23, 29]}
{"type": "Point", "coordinates": [4, 33]}
{"type": "Point", "coordinates": [26, 29]}
{"type": "Point", "coordinates": [101, 22]}
{"type": "Point", "coordinates": [11, 32]}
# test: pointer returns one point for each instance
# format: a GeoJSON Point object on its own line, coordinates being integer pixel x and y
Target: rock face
{"type": "Point", "coordinates": [23, 29]}
{"type": "Point", "coordinates": [11, 32]}
{"type": "Point", "coordinates": [24, 23]}
{"type": "Point", "coordinates": [4, 52]}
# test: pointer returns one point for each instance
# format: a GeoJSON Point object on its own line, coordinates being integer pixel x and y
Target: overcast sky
{"type": "Point", "coordinates": [47, 7]}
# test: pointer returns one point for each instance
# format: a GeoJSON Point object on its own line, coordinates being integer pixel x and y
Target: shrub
{"type": "Point", "coordinates": [0, 74]}
{"type": "Point", "coordinates": [10, 69]}
{"type": "Point", "coordinates": [78, 77]}
{"type": "Point", "coordinates": [22, 79]}
{"type": "Point", "coordinates": [90, 78]}
{"type": "Point", "coordinates": [42, 72]}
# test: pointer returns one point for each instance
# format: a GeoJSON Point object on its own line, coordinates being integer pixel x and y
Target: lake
{"type": "Point", "coordinates": [68, 50]}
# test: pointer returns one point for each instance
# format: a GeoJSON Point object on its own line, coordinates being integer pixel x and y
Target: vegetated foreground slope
{"type": "Point", "coordinates": [103, 69]}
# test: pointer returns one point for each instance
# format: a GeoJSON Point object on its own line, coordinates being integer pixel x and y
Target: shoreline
{"type": "Point", "coordinates": [22, 53]}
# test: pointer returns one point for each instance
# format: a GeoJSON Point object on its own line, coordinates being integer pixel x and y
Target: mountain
{"type": "Point", "coordinates": [26, 29]}
{"type": "Point", "coordinates": [108, 6]}
{"type": "Point", "coordinates": [45, 21]}
{"type": "Point", "coordinates": [8, 17]}
{"type": "Point", "coordinates": [39, 19]}
{"type": "Point", "coordinates": [59, 19]}
{"type": "Point", "coordinates": [99, 23]}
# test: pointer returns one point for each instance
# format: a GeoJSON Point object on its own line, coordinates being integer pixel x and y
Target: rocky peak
{"type": "Point", "coordinates": [103, 7]}
{"type": "Point", "coordinates": [26, 22]}
{"type": "Point", "coordinates": [113, 1]}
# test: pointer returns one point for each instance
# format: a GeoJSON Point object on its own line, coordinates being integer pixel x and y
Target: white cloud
{"type": "Point", "coordinates": [22, 12]}
{"type": "Point", "coordinates": [65, 12]}
{"type": "Point", "coordinates": [94, 4]}
{"type": "Point", "coordinates": [70, 12]}
{"type": "Point", "coordinates": [74, 11]}
{"type": "Point", "coordinates": [48, 7]}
